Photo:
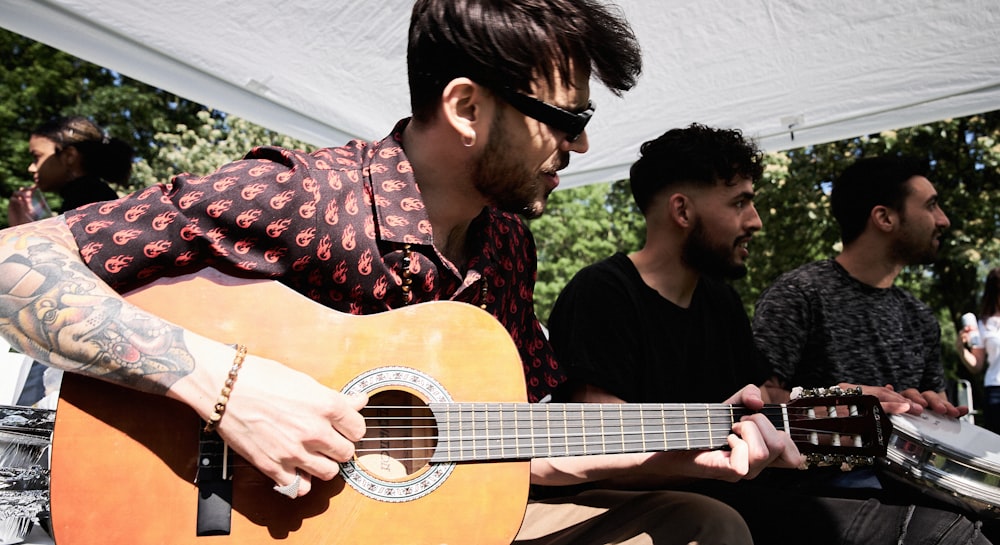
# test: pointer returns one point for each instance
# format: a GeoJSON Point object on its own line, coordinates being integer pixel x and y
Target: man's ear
{"type": "Point", "coordinates": [465, 109]}
{"type": "Point", "coordinates": [679, 209]}
{"type": "Point", "coordinates": [884, 218]}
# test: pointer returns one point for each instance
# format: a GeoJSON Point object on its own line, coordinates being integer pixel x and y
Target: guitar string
{"type": "Point", "coordinates": [691, 436]}
{"type": "Point", "coordinates": [510, 453]}
{"type": "Point", "coordinates": [561, 449]}
{"type": "Point", "coordinates": [597, 408]}
{"type": "Point", "coordinates": [652, 414]}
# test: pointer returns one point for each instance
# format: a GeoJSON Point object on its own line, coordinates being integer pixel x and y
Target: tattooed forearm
{"type": "Point", "coordinates": [53, 308]}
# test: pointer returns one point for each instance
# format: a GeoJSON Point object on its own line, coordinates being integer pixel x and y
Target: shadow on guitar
{"type": "Point", "coordinates": [166, 429]}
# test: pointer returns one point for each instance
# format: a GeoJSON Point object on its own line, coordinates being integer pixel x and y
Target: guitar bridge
{"type": "Point", "coordinates": [215, 486]}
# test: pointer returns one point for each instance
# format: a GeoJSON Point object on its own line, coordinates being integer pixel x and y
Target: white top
{"type": "Point", "coordinates": [991, 337]}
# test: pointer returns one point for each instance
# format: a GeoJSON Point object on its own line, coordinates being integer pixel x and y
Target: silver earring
{"type": "Point", "coordinates": [469, 141]}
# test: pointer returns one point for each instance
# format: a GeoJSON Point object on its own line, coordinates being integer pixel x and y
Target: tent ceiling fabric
{"type": "Point", "coordinates": [789, 73]}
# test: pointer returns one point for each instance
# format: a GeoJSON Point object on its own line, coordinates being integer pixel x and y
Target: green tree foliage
{"type": "Point", "coordinates": [580, 226]}
{"type": "Point", "coordinates": [213, 141]}
{"type": "Point", "coordinates": [169, 134]}
{"type": "Point", "coordinates": [38, 83]}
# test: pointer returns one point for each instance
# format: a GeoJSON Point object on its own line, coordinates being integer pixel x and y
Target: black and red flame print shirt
{"type": "Point", "coordinates": [333, 225]}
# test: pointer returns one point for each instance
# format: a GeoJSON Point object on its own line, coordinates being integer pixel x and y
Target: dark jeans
{"type": "Point", "coordinates": [34, 386]}
{"type": "Point", "coordinates": [779, 513]}
{"type": "Point", "coordinates": [991, 412]}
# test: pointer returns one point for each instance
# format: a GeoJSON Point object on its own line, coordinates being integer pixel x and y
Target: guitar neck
{"type": "Point", "coordinates": [520, 431]}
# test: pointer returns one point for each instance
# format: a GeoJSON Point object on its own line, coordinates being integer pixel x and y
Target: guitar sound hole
{"type": "Point", "coordinates": [401, 436]}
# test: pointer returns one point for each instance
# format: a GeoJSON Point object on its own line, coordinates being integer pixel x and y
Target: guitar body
{"type": "Point", "coordinates": [124, 463]}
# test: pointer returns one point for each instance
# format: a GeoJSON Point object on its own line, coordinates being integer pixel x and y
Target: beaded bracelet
{"type": "Point", "coordinates": [220, 403]}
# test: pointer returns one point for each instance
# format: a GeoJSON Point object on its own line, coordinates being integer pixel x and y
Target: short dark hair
{"type": "Point", "coordinates": [512, 42]}
{"type": "Point", "coordinates": [696, 154]}
{"type": "Point", "coordinates": [871, 182]}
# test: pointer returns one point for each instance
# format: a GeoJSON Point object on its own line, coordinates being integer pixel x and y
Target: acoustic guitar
{"type": "Point", "coordinates": [450, 436]}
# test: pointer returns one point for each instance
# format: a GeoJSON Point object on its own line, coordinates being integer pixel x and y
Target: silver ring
{"type": "Point", "coordinates": [291, 489]}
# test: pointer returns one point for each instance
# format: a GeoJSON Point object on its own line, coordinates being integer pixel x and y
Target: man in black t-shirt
{"type": "Point", "coordinates": [660, 324]}
{"type": "Point", "coordinates": [698, 350]}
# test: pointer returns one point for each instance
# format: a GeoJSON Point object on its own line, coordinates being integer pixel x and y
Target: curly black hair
{"type": "Point", "coordinates": [696, 155]}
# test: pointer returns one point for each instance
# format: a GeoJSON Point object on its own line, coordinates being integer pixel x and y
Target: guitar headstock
{"type": "Point", "coordinates": [837, 426]}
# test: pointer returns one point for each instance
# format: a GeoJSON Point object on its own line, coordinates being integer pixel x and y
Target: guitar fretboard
{"type": "Point", "coordinates": [519, 431]}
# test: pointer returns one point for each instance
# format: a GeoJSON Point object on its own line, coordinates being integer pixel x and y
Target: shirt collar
{"type": "Point", "coordinates": [399, 208]}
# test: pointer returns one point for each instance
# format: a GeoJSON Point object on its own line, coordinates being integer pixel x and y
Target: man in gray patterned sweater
{"type": "Point", "coordinates": [842, 320]}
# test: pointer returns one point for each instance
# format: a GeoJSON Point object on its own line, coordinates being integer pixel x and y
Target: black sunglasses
{"type": "Point", "coordinates": [571, 123]}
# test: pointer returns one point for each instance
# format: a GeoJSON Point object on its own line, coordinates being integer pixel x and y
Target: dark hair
{"type": "Point", "coordinates": [871, 182]}
{"type": "Point", "coordinates": [696, 154]}
{"type": "Point", "coordinates": [512, 42]}
{"type": "Point", "coordinates": [109, 158]}
{"type": "Point", "coordinates": [991, 295]}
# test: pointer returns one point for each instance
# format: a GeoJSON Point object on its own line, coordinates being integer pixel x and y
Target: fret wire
{"type": "Point", "coordinates": [642, 428]}
{"type": "Point", "coordinates": [490, 440]}
{"type": "Point", "coordinates": [450, 432]}
{"type": "Point", "coordinates": [604, 443]}
{"type": "Point", "coordinates": [565, 429]}
{"type": "Point", "coordinates": [710, 434]}
{"type": "Point", "coordinates": [485, 443]}
{"type": "Point", "coordinates": [531, 426]}
{"type": "Point", "coordinates": [548, 430]}
{"type": "Point", "coordinates": [663, 425]}
{"type": "Point", "coordinates": [687, 430]}
{"type": "Point", "coordinates": [461, 438]}
{"type": "Point", "coordinates": [500, 418]}
{"type": "Point", "coordinates": [517, 440]}
{"type": "Point", "coordinates": [621, 421]}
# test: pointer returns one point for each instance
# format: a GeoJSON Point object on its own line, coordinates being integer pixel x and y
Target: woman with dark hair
{"type": "Point", "coordinates": [73, 157]}
{"type": "Point", "coordinates": [986, 356]}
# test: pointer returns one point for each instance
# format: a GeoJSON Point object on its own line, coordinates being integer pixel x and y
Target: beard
{"type": "Point", "coordinates": [913, 249]}
{"type": "Point", "coordinates": [505, 182]}
{"type": "Point", "coordinates": [708, 258]}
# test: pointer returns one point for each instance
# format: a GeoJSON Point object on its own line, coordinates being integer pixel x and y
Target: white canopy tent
{"type": "Point", "coordinates": [788, 72]}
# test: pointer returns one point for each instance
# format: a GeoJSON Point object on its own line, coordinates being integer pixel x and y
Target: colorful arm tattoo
{"type": "Point", "coordinates": [54, 309]}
